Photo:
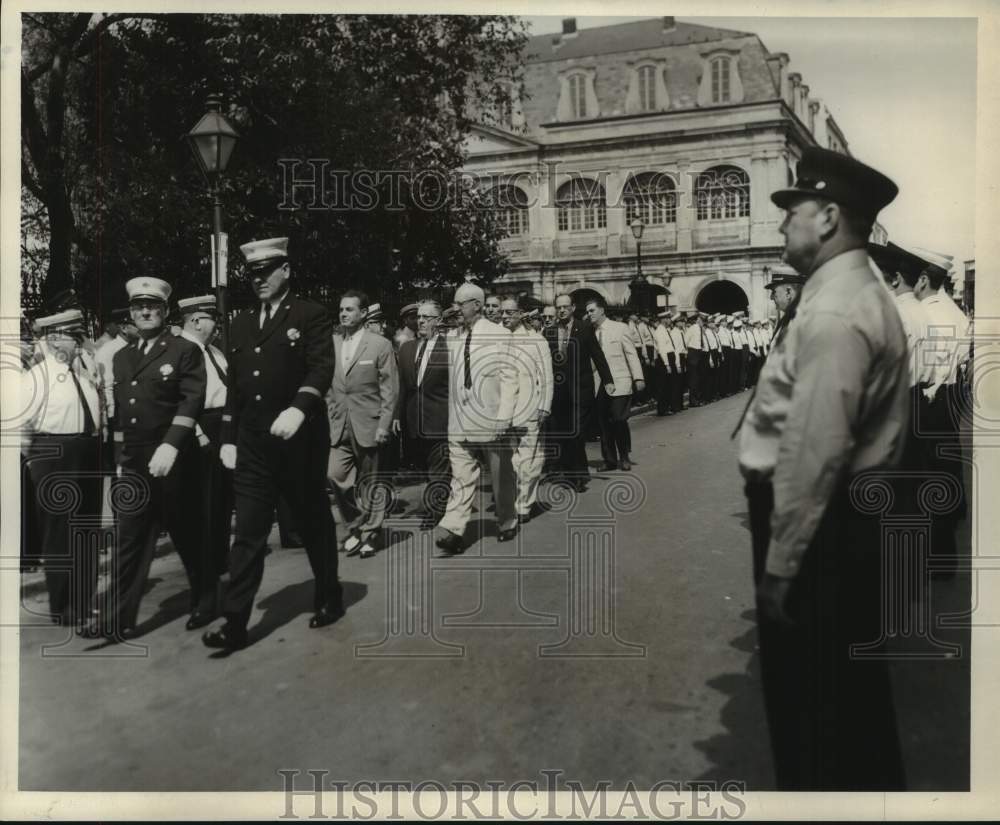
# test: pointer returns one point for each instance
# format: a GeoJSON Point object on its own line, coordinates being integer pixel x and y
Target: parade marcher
{"type": "Point", "coordinates": [159, 396]}
{"type": "Point", "coordinates": [361, 405]}
{"type": "Point", "coordinates": [483, 381]}
{"type": "Point", "coordinates": [725, 334]}
{"type": "Point", "coordinates": [613, 397]}
{"type": "Point", "coordinates": [697, 359]}
{"type": "Point", "coordinates": [276, 437]}
{"type": "Point", "coordinates": [647, 347]}
{"type": "Point", "coordinates": [714, 358]}
{"type": "Point", "coordinates": [741, 346]}
{"type": "Point", "coordinates": [533, 362]}
{"type": "Point", "coordinates": [675, 329]}
{"type": "Point", "coordinates": [947, 348]}
{"type": "Point", "coordinates": [208, 489]}
{"type": "Point", "coordinates": [61, 423]}
{"type": "Point", "coordinates": [666, 365]}
{"type": "Point", "coordinates": [576, 356]}
{"type": "Point", "coordinates": [375, 320]}
{"type": "Point", "coordinates": [831, 404]}
{"type": "Point", "coordinates": [491, 309]}
{"type": "Point", "coordinates": [422, 408]}
{"type": "Point", "coordinates": [755, 353]}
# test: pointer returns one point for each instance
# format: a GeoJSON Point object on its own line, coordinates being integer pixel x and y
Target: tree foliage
{"type": "Point", "coordinates": [110, 189]}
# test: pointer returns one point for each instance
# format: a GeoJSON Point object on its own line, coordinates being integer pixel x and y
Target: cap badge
{"type": "Point", "coordinates": [821, 184]}
{"type": "Point", "coordinates": [294, 334]}
{"type": "Point", "coordinates": [166, 369]}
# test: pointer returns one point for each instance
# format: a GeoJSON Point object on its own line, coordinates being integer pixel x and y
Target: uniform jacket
{"type": "Point", "coordinates": [288, 363]}
{"type": "Point", "coordinates": [619, 349]}
{"type": "Point", "coordinates": [486, 410]}
{"type": "Point", "coordinates": [159, 395]}
{"type": "Point", "coordinates": [534, 371]}
{"type": "Point", "coordinates": [365, 392]}
{"type": "Point", "coordinates": [423, 410]}
{"type": "Point", "coordinates": [573, 372]}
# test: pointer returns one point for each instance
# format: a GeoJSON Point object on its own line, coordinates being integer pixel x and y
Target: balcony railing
{"type": "Point", "coordinates": [710, 234]}
{"type": "Point", "coordinates": [583, 245]}
{"type": "Point", "coordinates": [654, 239]}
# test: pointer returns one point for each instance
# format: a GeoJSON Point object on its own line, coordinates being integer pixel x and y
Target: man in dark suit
{"type": "Point", "coordinates": [159, 395]}
{"type": "Point", "coordinates": [276, 437]}
{"type": "Point", "coordinates": [422, 408]}
{"type": "Point", "coordinates": [574, 348]}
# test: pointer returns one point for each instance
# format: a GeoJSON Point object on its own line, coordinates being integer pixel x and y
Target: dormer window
{"type": "Point", "coordinates": [578, 96]}
{"type": "Point", "coordinates": [647, 87]}
{"type": "Point", "coordinates": [720, 80]}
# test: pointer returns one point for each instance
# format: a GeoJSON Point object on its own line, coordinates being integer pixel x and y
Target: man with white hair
{"type": "Point", "coordinates": [481, 406]}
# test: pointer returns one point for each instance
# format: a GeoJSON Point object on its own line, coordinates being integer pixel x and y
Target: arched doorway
{"type": "Point", "coordinates": [721, 296]}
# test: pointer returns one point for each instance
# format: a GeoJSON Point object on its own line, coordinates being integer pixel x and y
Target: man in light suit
{"type": "Point", "coordinates": [613, 399]}
{"type": "Point", "coordinates": [361, 404]}
{"type": "Point", "coordinates": [422, 407]}
{"type": "Point", "coordinates": [534, 403]}
{"type": "Point", "coordinates": [480, 413]}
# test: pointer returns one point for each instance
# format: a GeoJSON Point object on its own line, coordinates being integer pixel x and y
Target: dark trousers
{"type": "Point", "coordinates": [662, 386]}
{"type": "Point", "coordinates": [431, 455]}
{"type": "Point", "coordinates": [745, 368]}
{"type": "Point", "coordinates": [941, 446]}
{"type": "Point", "coordinates": [145, 505]}
{"type": "Point", "coordinates": [612, 415]}
{"type": "Point", "coordinates": [731, 370]}
{"type": "Point", "coordinates": [215, 502]}
{"type": "Point", "coordinates": [569, 427]}
{"type": "Point", "coordinates": [697, 372]}
{"type": "Point", "coordinates": [268, 467]}
{"type": "Point", "coordinates": [831, 715]}
{"type": "Point", "coordinates": [66, 469]}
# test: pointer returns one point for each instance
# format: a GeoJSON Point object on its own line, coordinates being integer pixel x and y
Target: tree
{"type": "Point", "coordinates": [391, 97]}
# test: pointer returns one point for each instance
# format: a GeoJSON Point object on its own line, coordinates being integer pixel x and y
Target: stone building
{"type": "Point", "coordinates": [685, 127]}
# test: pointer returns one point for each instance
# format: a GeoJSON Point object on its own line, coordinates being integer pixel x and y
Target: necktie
{"type": "Point", "coordinates": [89, 427]}
{"type": "Point", "coordinates": [221, 372]}
{"type": "Point", "coordinates": [420, 360]}
{"type": "Point", "coordinates": [564, 330]}
{"type": "Point", "coordinates": [267, 314]}
{"type": "Point", "coordinates": [782, 326]}
{"type": "Point", "coordinates": [468, 359]}
{"type": "Point", "coordinates": [701, 330]}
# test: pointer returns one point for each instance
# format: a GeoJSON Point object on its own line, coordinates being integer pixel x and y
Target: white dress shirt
{"type": "Point", "coordinates": [948, 339]}
{"type": "Point", "coordinates": [275, 303]}
{"type": "Point", "coordinates": [105, 360]}
{"type": "Point", "coordinates": [664, 343]}
{"type": "Point", "coordinates": [349, 345]}
{"type": "Point", "coordinates": [694, 337]}
{"type": "Point", "coordinates": [913, 314]}
{"type": "Point", "coordinates": [215, 389]}
{"type": "Point", "coordinates": [50, 402]}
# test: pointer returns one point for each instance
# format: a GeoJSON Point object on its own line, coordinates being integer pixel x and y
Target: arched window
{"type": "Point", "coordinates": [510, 206]}
{"type": "Point", "coordinates": [582, 205]}
{"type": "Point", "coordinates": [720, 80]}
{"type": "Point", "coordinates": [578, 96]}
{"type": "Point", "coordinates": [722, 192]}
{"type": "Point", "coordinates": [647, 88]}
{"type": "Point", "coordinates": [651, 196]}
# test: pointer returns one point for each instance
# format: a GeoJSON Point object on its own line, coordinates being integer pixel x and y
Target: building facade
{"type": "Point", "coordinates": [687, 128]}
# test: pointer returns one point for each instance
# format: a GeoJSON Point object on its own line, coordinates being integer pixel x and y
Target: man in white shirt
{"type": "Point", "coordinates": [534, 403]}
{"type": "Point", "coordinates": [696, 344]}
{"type": "Point", "coordinates": [666, 365]}
{"type": "Point", "coordinates": [675, 329]}
{"type": "Point", "coordinates": [209, 485]}
{"type": "Point", "coordinates": [61, 421]}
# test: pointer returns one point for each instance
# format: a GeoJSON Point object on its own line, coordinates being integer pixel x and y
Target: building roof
{"type": "Point", "coordinates": [622, 37]}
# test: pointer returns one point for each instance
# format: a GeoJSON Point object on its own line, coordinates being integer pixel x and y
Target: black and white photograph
{"type": "Point", "coordinates": [497, 415]}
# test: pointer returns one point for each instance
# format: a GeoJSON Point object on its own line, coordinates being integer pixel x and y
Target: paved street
{"type": "Point", "coordinates": [655, 604]}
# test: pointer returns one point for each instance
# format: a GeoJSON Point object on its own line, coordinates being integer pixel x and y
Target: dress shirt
{"type": "Point", "coordinates": [349, 345]}
{"type": "Point", "coordinates": [725, 336]}
{"type": "Point", "coordinates": [275, 303]}
{"type": "Point", "coordinates": [913, 315]}
{"type": "Point", "coordinates": [565, 332]}
{"type": "Point", "coordinates": [645, 335]}
{"type": "Point", "coordinates": [422, 363]}
{"type": "Point", "coordinates": [49, 398]}
{"type": "Point", "coordinates": [832, 397]}
{"type": "Point", "coordinates": [677, 339]}
{"type": "Point", "coordinates": [105, 358]}
{"type": "Point", "coordinates": [948, 339]}
{"type": "Point", "coordinates": [712, 338]}
{"type": "Point", "coordinates": [215, 388]}
{"type": "Point", "coordinates": [694, 337]}
{"type": "Point", "coordinates": [664, 343]}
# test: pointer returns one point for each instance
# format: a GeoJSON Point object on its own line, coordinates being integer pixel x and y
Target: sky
{"type": "Point", "coordinates": [902, 90]}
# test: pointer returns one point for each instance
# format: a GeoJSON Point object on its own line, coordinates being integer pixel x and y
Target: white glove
{"type": "Point", "coordinates": [227, 455]}
{"type": "Point", "coordinates": [162, 461]}
{"type": "Point", "coordinates": [287, 423]}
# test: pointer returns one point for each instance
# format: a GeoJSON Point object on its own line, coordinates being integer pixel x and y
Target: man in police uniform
{"type": "Point", "coordinates": [159, 395]}
{"type": "Point", "coordinates": [276, 437]}
{"type": "Point", "coordinates": [209, 490]}
{"type": "Point", "coordinates": [829, 411]}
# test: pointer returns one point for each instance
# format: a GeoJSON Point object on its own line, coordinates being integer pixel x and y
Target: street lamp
{"type": "Point", "coordinates": [637, 226]}
{"type": "Point", "coordinates": [212, 141]}
{"type": "Point", "coordinates": [640, 290]}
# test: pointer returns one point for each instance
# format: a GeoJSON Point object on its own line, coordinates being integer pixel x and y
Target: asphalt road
{"type": "Point", "coordinates": [613, 641]}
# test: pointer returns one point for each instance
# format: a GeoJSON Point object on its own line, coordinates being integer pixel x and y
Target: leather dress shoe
{"type": "Point", "coordinates": [366, 551]}
{"type": "Point", "coordinates": [626, 465]}
{"type": "Point", "coordinates": [508, 534]}
{"type": "Point", "coordinates": [96, 630]}
{"type": "Point", "coordinates": [523, 518]}
{"type": "Point", "coordinates": [608, 466]}
{"type": "Point", "coordinates": [326, 615]}
{"type": "Point", "coordinates": [450, 543]}
{"type": "Point", "coordinates": [226, 637]}
{"type": "Point", "coordinates": [199, 618]}
{"type": "Point", "coordinates": [352, 544]}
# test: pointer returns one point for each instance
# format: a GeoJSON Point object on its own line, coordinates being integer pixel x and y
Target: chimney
{"type": "Point", "coordinates": [669, 24]}
{"type": "Point", "coordinates": [569, 25]}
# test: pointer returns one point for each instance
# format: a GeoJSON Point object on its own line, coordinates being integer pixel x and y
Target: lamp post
{"type": "Point", "coordinates": [637, 226]}
{"type": "Point", "coordinates": [212, 141]}
{"type": "Point", "coordinates": [640, 290]}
